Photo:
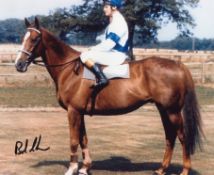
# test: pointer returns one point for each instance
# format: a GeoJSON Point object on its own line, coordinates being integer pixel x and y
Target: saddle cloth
{"type": "Point", "coordinates": [118, 71]}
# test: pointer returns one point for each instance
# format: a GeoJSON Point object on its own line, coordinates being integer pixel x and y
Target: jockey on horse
{"type": "Point", "coordinates": [113, 49]}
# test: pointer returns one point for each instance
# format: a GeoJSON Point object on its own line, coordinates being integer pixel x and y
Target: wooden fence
{"type": "Point", "coordinates": [8, 53]}
{"type": "Point", "coordinates": [200, 63]}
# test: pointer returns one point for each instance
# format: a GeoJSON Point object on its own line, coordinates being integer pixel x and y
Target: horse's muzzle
{"type": "Point", "coordinates": [21, 66]}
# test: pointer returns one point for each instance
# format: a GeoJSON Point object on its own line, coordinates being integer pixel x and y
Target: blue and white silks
{"type": "Point", "coordinates": [114, 46]}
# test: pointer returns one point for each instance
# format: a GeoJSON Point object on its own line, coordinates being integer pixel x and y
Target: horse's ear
{"type": "Point", "coordinates": [27, 23]}
{"type": "Point", "coordinates": [37, 23]}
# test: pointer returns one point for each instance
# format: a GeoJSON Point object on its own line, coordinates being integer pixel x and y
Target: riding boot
{"type": "Point", "coordinates": [101, 78]}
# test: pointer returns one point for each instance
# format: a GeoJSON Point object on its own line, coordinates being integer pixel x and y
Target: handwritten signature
{"type": "Point", "coordinates": [23, 147]}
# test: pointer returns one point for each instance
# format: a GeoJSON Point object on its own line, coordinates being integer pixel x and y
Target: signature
{"type": "Point", "coordinates": [23, 147]}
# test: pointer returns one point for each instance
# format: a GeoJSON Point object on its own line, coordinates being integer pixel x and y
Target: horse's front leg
{"type": "Point", "coordinates": [74, 119]}
{"type": "Point", "coordinates": [85, 151]}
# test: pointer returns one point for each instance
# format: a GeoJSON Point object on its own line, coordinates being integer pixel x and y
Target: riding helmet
{"type": "Point", "coordinates": [114, 3]}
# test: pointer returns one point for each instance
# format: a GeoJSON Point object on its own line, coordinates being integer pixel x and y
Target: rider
{"type": "Point", "coordinates": [112, 50]}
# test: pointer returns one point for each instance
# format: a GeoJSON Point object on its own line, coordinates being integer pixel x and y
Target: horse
{"type": "Point", "coordinates": [166, 83]}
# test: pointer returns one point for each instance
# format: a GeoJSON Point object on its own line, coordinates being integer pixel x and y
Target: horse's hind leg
{"type": "Point", "coordinates": [186, 157]}
{"type": "Point", "coordinates": [85, 151]}
{"type": "Point", "coordinates": [170, 134]}
{"type": "Point", "coordinates": [177, 122]}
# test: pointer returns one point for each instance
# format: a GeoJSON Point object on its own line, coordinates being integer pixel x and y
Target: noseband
{"type": "Point", "coordinates": [31, 53]}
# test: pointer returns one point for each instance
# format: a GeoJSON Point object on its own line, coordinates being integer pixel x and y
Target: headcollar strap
{"type": "Point", "coordinates": [36, 30]}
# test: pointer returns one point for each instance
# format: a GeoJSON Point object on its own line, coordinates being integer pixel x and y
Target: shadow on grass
{"type": "Point", "coordinates": [51, 163]}
{"type": "Point", "coordinates": [121, 164]}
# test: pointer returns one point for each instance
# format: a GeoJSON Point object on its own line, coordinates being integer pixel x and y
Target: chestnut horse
{"type": "Point", "coordinates": [166, 83]}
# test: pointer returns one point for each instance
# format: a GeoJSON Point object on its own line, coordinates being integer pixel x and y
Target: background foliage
{"type": "Point", "coordinates": [82, 24]}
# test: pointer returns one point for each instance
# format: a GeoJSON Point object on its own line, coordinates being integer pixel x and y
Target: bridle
{"type": "Point", "coordinates": [31, 56]}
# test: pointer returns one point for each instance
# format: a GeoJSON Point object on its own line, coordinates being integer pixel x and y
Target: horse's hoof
{"type": "Point", "coordinates": [82, 171]}
{"type": "Point", "coordinates": [185, 172]}
{"type": "Point", "coordinates": [159, 172]}
{"type": "Point", "coordinates": [72, 170]}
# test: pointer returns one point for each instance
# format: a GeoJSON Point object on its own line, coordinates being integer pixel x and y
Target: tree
{"type": "Point", "coordinates": [82, 18]}
{"type": "Point", "coordinates": [147, 16]}
{"type": "Point", "coordinates": [11, 30]}
{"type": "Point", "coordinates": [143, 16]}
{"type": "Point", "coordinates": [184, 43]}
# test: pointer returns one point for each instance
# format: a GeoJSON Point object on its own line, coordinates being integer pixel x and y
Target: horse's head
{"type": "Point", "coordinates": [30, 46]}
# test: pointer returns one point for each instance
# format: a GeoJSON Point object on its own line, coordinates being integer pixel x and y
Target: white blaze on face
{"type": "Point", "coordinates": [27, 35]}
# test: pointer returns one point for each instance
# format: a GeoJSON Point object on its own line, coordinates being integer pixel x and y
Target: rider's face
{"type": "Point", "coordinates": [108, 10]}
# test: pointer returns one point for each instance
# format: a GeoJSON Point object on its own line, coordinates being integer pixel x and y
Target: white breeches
{"type": "Point", "coordinates": [104, 57]}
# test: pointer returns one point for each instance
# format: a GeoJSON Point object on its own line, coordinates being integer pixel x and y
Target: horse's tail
{"type": "Point", "coordinates": [192, 117]}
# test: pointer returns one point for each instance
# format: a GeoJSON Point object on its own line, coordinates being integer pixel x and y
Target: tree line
{"type": "Point", "coordinates": [82, 24]}
{"type": "Point", "coordinates": [184, 43]}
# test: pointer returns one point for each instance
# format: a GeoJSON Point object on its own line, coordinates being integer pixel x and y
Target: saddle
{"type": "Point", "coordinates": [111, 72]}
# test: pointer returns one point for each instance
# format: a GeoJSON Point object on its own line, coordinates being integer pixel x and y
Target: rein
{"type": "Point", "coordinates": [38, 62]}
{"type": "Point", "coordinates": [76, 68]}
{"type": "Point", "coordinates": [32, 59]}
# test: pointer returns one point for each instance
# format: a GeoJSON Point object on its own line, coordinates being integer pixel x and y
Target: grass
{"type": "Point", "coordinates": [28, 97]}
{"type": "Point", "coordinates": [205, 95]}
{"type": "Point", "coordinates": [45, 96]}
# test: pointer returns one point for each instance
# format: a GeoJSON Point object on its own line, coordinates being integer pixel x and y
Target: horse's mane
{"type": "Point", "coordinates": [60, 47]}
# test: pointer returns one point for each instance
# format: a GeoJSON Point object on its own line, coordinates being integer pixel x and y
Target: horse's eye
{"type": "Point", "coordinates": [33, 39]}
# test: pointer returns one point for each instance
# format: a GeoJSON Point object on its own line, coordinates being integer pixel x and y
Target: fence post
{"type": "Point", "coordinates": [203, 73]}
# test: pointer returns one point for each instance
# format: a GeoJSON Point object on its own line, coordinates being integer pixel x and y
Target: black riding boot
{"type": "Point", "coordinates": [101, 78]}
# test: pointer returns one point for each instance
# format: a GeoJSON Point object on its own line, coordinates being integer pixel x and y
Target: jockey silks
{"type": "Point", "coordinates": [114, 46]}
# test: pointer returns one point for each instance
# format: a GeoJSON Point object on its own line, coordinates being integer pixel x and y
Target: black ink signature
{"type": "Point", "coordinates": [21, 148]}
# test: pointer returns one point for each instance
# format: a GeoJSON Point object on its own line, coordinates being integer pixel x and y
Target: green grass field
{"type": "Point", "coordinates": [45, 96]}
{"type": "Point", "coordinates": [28, 97]}
{"type": "Point", "coordinates": [205, 95]}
